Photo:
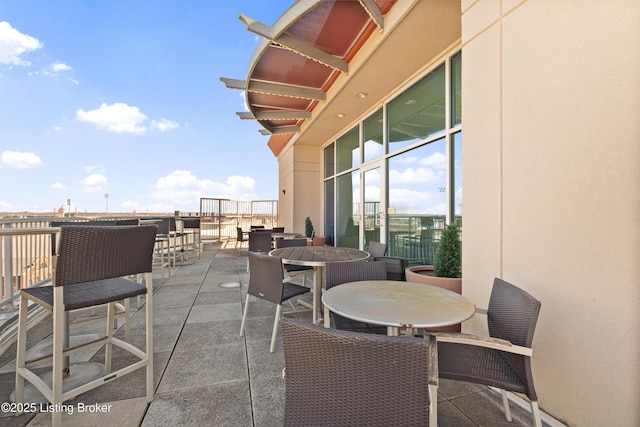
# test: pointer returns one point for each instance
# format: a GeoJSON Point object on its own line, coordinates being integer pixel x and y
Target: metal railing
{"type": "Point", "coordinates": [220, 217]}
{"type": "Point", "coordinates": [26, 259]}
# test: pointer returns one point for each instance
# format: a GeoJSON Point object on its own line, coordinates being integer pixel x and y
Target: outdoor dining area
{"type": "Point", "coordinates": [212, 344]}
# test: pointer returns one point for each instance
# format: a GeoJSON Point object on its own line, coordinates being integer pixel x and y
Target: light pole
{"type": "Point", "coordinates": [68, 207]}
{"type": "Point", "coordinates": [106, 201]}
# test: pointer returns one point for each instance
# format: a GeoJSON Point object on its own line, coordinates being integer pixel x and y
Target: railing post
{"type": "Point", "coordinates": [7, 268]}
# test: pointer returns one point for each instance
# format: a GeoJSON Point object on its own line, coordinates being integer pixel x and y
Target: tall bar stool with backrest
{"type": "Point", "coordinates": [191, 228]}
{"type": "Point", "coordinates": [122, 309]}
{"type": "Point", "coordinates": [88, 270]}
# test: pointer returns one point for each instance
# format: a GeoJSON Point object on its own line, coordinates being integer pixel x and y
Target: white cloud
{"type": "Point", "coordinates": [435, 160]}
{"type": "Point", "coordinates": [5, 205]}
{"type": "Point", "coordinates": [373, 149]}
{"type": "Point", "coordinates": [91, 168]}
{"type": "Point", "coordinates": [13, 44]}
{"type": "Point", "coordinates": [181, 188]}
{"type": "Point", "coordinates": [20, 160]}
{"type": "Point", "coordinates": [164, 125]}
{"type": "Point", "coordinates": [423, 176]}
{"type": "Point", "coordinates": [118, 117]}
{"type": "Point", "coordinates": [408, 201]}
{"type": "Point", "coordinates": [58, 186]}
{"type": "Point", "coordinates": [54, 69]}
{"type": "Point", "coordinates": [94, 183]}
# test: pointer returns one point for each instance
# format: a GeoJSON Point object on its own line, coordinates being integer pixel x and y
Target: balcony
{"type": "Point", "coordinates": [205, 373]}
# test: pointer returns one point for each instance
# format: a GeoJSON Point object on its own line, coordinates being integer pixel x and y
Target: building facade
{"type": "Point", "coordinates": [531, 107]}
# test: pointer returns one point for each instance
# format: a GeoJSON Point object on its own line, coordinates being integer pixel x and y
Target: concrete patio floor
{"type": "Point", "coordinates": [205, 373]}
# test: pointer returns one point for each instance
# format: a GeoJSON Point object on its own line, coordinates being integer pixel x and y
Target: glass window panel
{"type": "Point", "coordinates": [329, 218]}
{"type": "Point", "coordinates": [348, 202]}
{"type": "Point", "coordinates": [418, 112]}
{"type": "Point", "coordinates": [372, 180]}
{"type": "Point", "coordinates": [457, 177]}
{"type": "Point", "coordinates": [456, 90]}
{"type": "Point", "coordinates": [417, 201]}
{"type": "Point", "coordinates": [373, 128]}
{"type": "Point", "coordinates": [348, 147]}
{"type": "Point", "coordinates": [328, 161]}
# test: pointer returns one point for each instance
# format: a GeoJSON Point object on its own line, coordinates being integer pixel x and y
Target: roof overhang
{"type": "Point", "coordinates": [324, 62]}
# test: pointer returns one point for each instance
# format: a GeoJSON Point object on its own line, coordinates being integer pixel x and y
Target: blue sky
{"type": "Point", "coordinates": [123, 97]}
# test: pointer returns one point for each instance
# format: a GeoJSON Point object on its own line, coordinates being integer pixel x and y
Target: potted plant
{"type": "Point", "coordinates": [308, 227]}
{"type": "Point", "coordinates": [445, 271]}
{"type": "Point", "coordinates": [312, 239]}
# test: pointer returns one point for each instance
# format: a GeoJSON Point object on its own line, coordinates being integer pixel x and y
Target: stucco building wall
{"type": "Point", "coordinates": [551, 190]}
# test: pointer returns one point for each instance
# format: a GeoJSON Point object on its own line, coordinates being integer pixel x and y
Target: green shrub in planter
{"type": "Point", "coordinates": [448, 259]}
{"type": "Point", "coordinates": [308, 227]}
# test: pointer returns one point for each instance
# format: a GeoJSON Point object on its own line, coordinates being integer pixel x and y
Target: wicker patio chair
{"type": "Point", "coordinates": [191, 228]}
{"type": "Point", "coordinates": [502, 360]}
{"type": "Point", "coordinates": [341, 378]}
{"type": "Point", "coordinates": [336, 273]}
{"type": "Point", "coordinates": [377, 249]}
{"type": "Point", "coordinates": [266, 282]}
{"type": "Point", "coordinates": [292, 269]}
{"type": "Point", "coordinates": [240, 236]}
{"type": "Point", "coordinates": [259, 242]}
{"type": "Point", "coordinates": [87, 271]}
{"type": "Point", "coordinates": [395, 267]}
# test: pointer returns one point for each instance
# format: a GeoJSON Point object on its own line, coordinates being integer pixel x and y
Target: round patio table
{"type": "Point", "coordinates": [397, 304]}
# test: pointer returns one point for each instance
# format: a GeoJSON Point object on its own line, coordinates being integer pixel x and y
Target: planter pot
{"type": "Point", "coordinates": [316, 241]}
{"type": "Point", "coordinates": [424, 274]}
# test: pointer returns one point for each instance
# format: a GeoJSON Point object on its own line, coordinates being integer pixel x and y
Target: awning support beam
{"type": "Point", "coordinates": [294, 44]}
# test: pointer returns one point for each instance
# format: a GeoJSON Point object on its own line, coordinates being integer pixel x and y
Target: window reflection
{"type": "Point", "coordinates": [417, 201]}
{"type": "Point", "coordinates": [328, 161]}
{"type": "Point", "coordinates": [418, 112]}
{"type": "Point", "coordinates": [348, 147]}
{"type": "Point", "coordinates": [373, 128]}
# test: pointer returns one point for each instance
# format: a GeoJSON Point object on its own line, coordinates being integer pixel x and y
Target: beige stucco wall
{"type": "Point", "coordinates": [551, 165]}
{"type": "Point", "coordinates": [300, 178]}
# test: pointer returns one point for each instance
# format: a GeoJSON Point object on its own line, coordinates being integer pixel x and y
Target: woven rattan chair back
{"type": "Point", "coordinates": [265, 280]}
{"type": "Point", "coordinates": [83, 251]}
{"type": "Point", "coordinates": [512, 315]}
{"type": "Point", "coordinates": [377, 249]}
{"type": "Point", "coordinates": [259, 241]}
{"type": "Point", "coordinates": [337, 273]}
{"type": "Point", "coordinates": [340, 378]}
{"type": "Point", "coordinates": [287, 243]}
{"type": "Point", "coordinates": [395, 267]}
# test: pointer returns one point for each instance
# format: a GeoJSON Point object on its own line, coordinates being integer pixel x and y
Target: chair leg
{"type": "Point", "coordinates": [127, 323]}
{"type": "Point", "coordinates": [244, 314]}
{"type": "Point", "coordinates": [433, 405]}
{"type": "Point", "coordinates": [21, 349]}
{"type": "Point", "coordinates": [58, 362]}
{"type": "Point", "coordinates": [108, 347]}
{"type": "Point", "coordinates": [276, 322]}
{"type": "Point", "coordinates": [535, 411]}
{"type": "Point", "coordinates": [149, 334]}
{"type": "Point", "coordinates": [505, 403]}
